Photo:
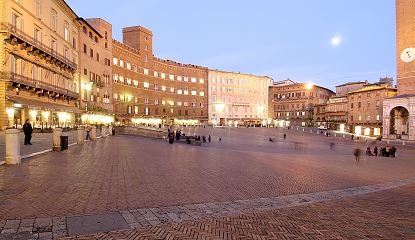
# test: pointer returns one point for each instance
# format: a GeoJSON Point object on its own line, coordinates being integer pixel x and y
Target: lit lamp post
{"type": "Point", "coordinates": [309, 86]}
{"type": "Point", "coordinates": [33, 114]}
{"type": "Point", "coordinates": [45, 115]}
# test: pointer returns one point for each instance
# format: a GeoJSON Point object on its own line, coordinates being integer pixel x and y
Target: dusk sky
{"type": "Point", "coordinates": [278, 38]}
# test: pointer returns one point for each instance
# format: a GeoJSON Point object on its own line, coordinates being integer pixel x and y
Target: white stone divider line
{"type": "Point", "coordinates": [141, 218]}
{"type": "Point", "coordinates": [57, 227]}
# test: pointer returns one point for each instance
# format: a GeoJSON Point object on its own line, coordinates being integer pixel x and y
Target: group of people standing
{"type": "Point", "coordinates": [382, 151]}
{"type": "Point", "coordinates": [177, 135]}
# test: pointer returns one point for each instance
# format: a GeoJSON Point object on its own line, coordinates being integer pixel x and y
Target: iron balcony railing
{"type": "Point", "coordinates": [27, 81]}
{"type": "Point", "coordinates": [7, 27]}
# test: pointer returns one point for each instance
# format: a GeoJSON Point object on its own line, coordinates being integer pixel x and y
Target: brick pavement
{"type": "Point", "coordinates": [56, 227]}
{"type": "Point", "coordinates": [382, 215]}
{"type": "Point", "coordinates": [146, 174]}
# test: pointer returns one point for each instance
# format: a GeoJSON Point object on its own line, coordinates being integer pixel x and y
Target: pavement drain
{"type": "Point", "coordinates": [85, 225]}
{"type": "Point", "coordinates": [42, 229]}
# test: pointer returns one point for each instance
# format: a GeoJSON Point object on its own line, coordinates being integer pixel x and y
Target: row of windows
{"type": "Point", "coordinates": [368, 118]}
{"type": "Point", "coordinates": [368, 94]}
{"type": "Point", "coordinates": [132, 67]}
{"type": "Point", "coordinates": [95, 38]}
{"type": "Point", "coordinates": [235, 90]}
{"type": "Point", "coordinates": [232, 81]}
{"type": "Point", "coordinates": [17, 66]}
{"type": "Point", "coordinates": [147, 111]}
{"type": "Point", "coordinates": [359, 104]}
{"type": "Point", "coordinates": [164, 88]}
{"type": "Point", "coordinates": [18, 23]}
{"type": "Point", "coordinates": [288, 114]}
{"type": "Point", "coordinates": [129, 98]}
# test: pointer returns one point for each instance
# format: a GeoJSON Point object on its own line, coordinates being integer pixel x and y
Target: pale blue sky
{"type": "Point", "coordinates": [279, 38]}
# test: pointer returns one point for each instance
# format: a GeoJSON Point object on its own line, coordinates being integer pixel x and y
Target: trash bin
{"type": "Point", "coordinates": [64, 143]}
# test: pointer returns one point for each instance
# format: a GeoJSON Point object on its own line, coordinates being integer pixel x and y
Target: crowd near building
{"type": "Point", "coordinates": [61, 70]}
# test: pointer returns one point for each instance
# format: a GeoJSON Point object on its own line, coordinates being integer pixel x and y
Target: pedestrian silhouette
{"type": "Point", "coordinates": [356, 154]}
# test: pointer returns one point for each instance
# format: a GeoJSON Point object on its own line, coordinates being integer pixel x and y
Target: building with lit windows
{"type": "Point", "coordinates": [154, 91]}
{"type": "Point", "coordinates": [293, 104]}
{"type": "Point", "coordinates": [399, 111]}
{"type": "Point", "coordinates": [39, 60]}
{"type": "Point", "coordinates": [95, 71]}
{"type": "Point", "coordinates": [365, 109]}
{"type": "Point", "coordinates": [237, 99]}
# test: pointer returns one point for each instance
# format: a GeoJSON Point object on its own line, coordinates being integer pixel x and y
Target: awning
{"type": "Point", "coordinates": [37, 104]}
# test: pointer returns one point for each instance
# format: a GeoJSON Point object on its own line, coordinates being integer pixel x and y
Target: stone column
{"type": "Point", "coordinates": [386, 127]}
{"type": "Point", "coordinates": [104, 131]}
{"type": "Point", "coordinates": [80, 136]}
{"type": "Point", "coordinates": [57, 133]}
{"type": "Point", "coordinates": [12, 146]}
{"type": "Point", "coordinates": [411, 134]}
{"type": "Point", "coordinates": [93, 133]}
{"type": "Point", "coordinates": [110, 130]}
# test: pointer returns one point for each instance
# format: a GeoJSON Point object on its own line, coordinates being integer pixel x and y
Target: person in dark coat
{"type": "Point", "coordinates": [375, 151]}
{"type": "Point", "coordinates": [209, 138]}
{"type": "Point", "coordinates": [27, 130]}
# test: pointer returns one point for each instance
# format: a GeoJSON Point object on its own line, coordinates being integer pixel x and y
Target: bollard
{"type": "Point", "coordinates": [335, 135]}
{"type": "Point", "coordinates": [388, 141]}
{"type": "Point", "coordinates": [81, 135]}
{"type": "Point", "coordinates": [12, 146]}
{"type": "Point", "coordinates": [93, 133]}
{"type": "Point", "coordinates": [57, 132]}
{"type": "Point", "coordinates": [104, 133]}
{"type": "Point", "coordinates": [303, 130]}
{"type": "Point", "coordinates": [311, 131]}
{"type": "Point", "coordinates": [344, 136]}
{"type": "Point", "coordinates": [403, 143]}
{"type": "Point", "coordinates": [110, 130]}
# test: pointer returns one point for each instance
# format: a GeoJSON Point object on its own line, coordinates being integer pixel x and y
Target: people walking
{"type": "Point", "coordinates": [356, 154]}
{"type": "Point", "coordinates": [332, 146]}
{"type": "Point", "coordinates": [88, 133]}
{"type": "Point", "coordinates": [285, 136]}
{"type": "Point", "coordinates": [393, 151]}
{"type": "Point", "coordinates": [375, 151]}
{"type": "Point", "coordinates": [369, 152]}
{"type": "Point", "coordinates": [27, 130]}
{"type": "Point", "coordinates": [209, 138]}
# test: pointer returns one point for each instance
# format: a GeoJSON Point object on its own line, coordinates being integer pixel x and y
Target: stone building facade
{"type": "Point", "coordinates": [333, 114]}
{"type": "Point", "coordinates": [293, 105]}
{"type": "Point", "coordinates": [365, 109]}
{"type": "Point", "coordinates": [38, 51]}
{"type": "Point", "coordinates": [95, 71]}
{"type": "Point", "coordinates": [150, 90]}
{"type": "Point", "coordinates": [399, 111]}
{"type": "Point", "coordinates": [237, 99]}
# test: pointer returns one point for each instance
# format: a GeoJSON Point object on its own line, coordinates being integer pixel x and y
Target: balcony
{"type": "Point", "coordinates": [17, 36]}
{"type": "Point", "coordinates": [36, 85]}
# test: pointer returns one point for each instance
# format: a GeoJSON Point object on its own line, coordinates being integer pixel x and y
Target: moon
{"type": "Point", "coordinates": [335, 41]}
